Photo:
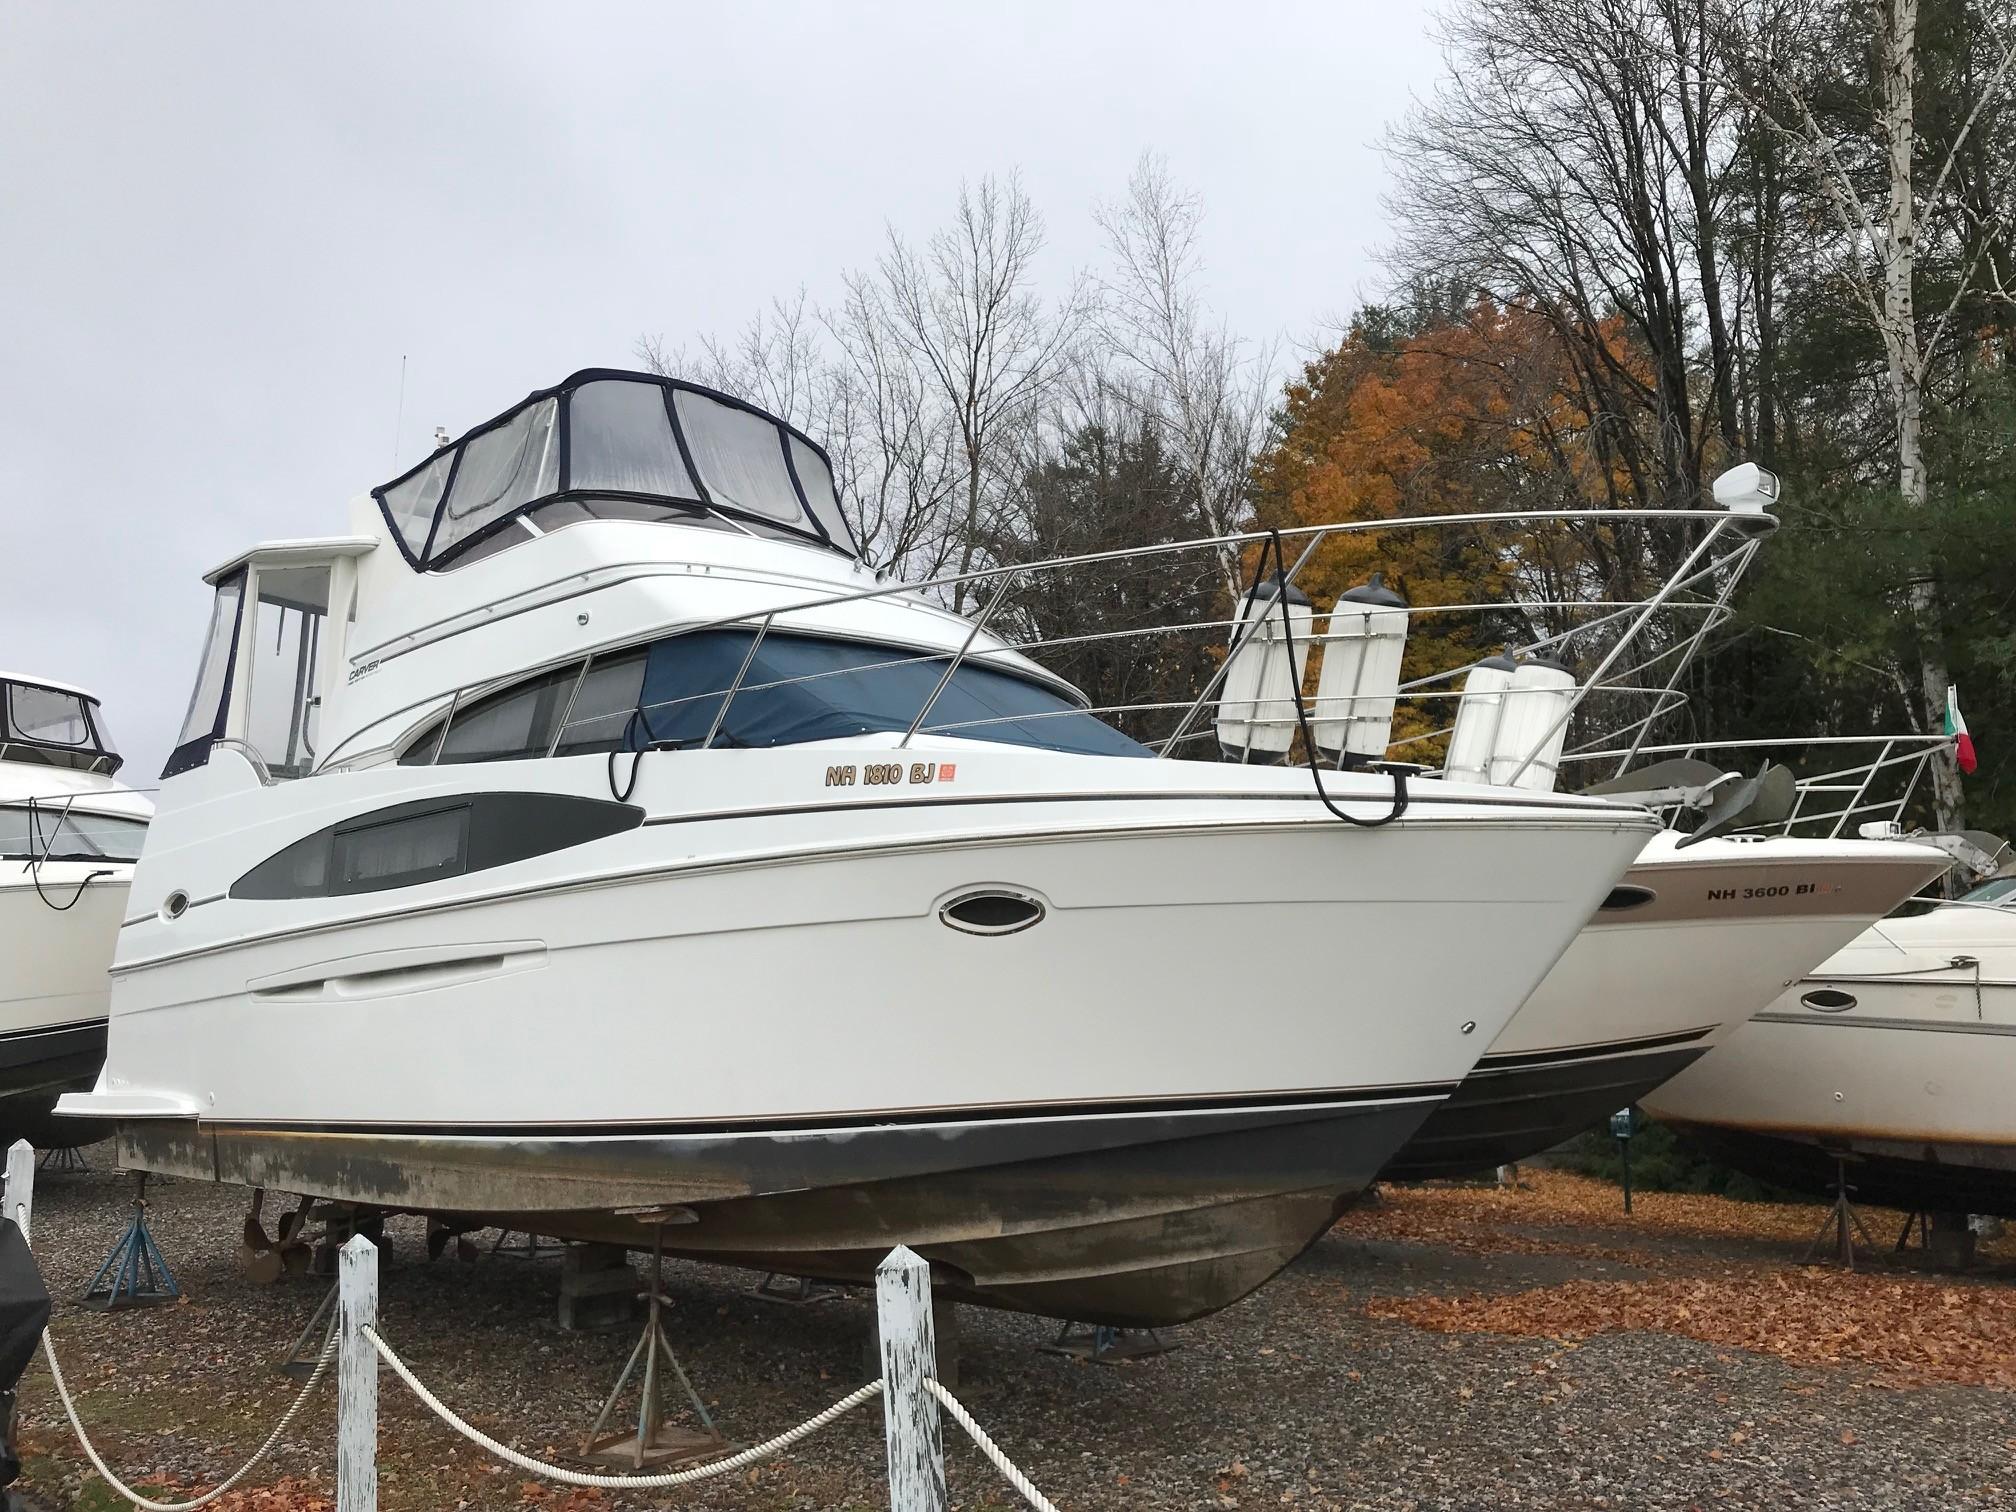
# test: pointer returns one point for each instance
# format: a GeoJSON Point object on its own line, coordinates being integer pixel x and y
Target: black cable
{"type": "Point", "coordinates": [35, 863]}
{"type": "Point", "coordinates": [636, 759]}
{"type": "Point", "coordinates": [1400, 795]}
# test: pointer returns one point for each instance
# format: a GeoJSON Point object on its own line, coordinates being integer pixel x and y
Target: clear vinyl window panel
{"type": "Point", "coordinates": [213, 673]}
{"type": "Point", "coordinates": [620, 437]}
{"type": "Point", "coordinates": [282, 702]}
{"type": "Point", "coordinates": [47, 716]}
{"type": "Point", "coordinates": [46, 832]}
{"type": "Point", "coordinates": [817, 480]}
{"type": "Point", "coordinates": [502, 470]}
{"type": "Point", "coordinates": [740, 457]}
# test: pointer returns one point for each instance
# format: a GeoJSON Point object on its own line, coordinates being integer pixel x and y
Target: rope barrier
{"type": "Point", "coordinates": [1010, 1471]}
{"type": "Point", "coordinates": [567, 1477]}
{"type": "Point", "coordinates": [97, 1463]}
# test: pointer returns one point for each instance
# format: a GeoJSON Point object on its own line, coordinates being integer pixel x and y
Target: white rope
{"type": "Point", "coordinates": [619, 1482]}
{"type": "Point", "coordinates": [90, 1453]}
{"type": "Point", "coordinates": [1010, 1472]}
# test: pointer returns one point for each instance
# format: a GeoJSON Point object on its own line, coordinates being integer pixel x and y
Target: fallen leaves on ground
{"type": "Point", "coordinates": [1477, 1217]}
{"type": "Point", "coordinates": [1912, 1330]}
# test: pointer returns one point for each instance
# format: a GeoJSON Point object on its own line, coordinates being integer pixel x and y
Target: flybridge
{"type": "Point", "coordinates": [608, 444]}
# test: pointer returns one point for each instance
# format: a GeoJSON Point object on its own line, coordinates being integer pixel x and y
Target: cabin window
{"type": "Point", "coordinates": [801, 688]}
{"type": "Point", "coordinates": [604, 705]}
{"type": "Point", "coordinates": [795, 688]}
{"type": "Point", "coordinates": [204, 723]}
{"type": "Point", "coordinates": [517, 724]}
{"type": "Point", "coordinates": [408, 844]}
{"type": "Point", "coordinates": [49, 833]}
{"type": "Point", "coordinates": [282, 693]}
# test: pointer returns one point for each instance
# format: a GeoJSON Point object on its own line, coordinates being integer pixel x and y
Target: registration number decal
{"type": "Point", "coordinates": [1780, 890]}
{"type": "Point", "coordinates": [890, 774]}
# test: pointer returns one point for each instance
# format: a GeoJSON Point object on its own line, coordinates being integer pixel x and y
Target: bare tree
{"type": "Point", "coordinates": [964, 307]}
{"type": "Point", "coordinates": [842, 378]}
{"type": "Point", "coordinates": [1205, 391]}
{"type": "Point", "coordinates": [1571, 164]}
{"type": "Point", "coordinates": [1890, 220]}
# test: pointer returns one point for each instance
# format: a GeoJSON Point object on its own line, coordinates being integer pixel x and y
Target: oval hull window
{"type": "Point", "coordinates": [1624, 896]}
{"type": "Point", "coordinates": [991, 911]}
{"type": "Point", "coordinates": [1827, 1000]}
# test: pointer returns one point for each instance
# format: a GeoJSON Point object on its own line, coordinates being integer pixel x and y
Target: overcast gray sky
{"type": "Point", "coordinates": [222, 225]}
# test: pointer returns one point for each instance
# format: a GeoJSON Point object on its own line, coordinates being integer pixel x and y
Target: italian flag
{"type": "Point", "coordinates": [1956, 730]}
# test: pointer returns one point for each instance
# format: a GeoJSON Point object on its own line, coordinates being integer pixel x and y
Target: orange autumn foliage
{"type": "Point", "coordinates": [1479, 414]}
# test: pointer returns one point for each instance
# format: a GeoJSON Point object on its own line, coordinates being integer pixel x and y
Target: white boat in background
{"type": "Point", "coordinates": [1681, 953]}
{"type": "Point", "coordinates": [591, 844]}
{"type": "Point", "coordinates": [1896, 1057]}
{"type": "Point", "coordinates": [69, 834]}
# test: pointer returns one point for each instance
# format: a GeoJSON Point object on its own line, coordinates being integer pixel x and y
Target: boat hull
{"type": "Point", "coordinates": [53, 995]}
{"type": "Point", "coordinates": [1705, 936]}
{"type": "Point", "coordinates": [1119, 1112]}
{"type": "Point", "coordinates": [1895, 1057]}
{"type": "Point", "coordinates": [1135, 1220]}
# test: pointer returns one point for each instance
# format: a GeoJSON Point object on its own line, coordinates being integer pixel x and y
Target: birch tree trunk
{"type": "Point", "coordinates": [1907, 374]}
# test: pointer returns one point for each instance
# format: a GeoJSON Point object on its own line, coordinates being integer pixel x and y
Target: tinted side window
{"type": "Point", "coordinates": [603, 706]}
{"type": "Point", "coordinates": [515, 725]}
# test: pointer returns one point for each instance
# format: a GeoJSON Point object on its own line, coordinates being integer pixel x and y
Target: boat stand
{"type": "Point", "coordinates": [1840, 1217]}
{"type": "Point", "coordinates": [1103, 1345]}
{"type": "Point", "coordinates": [654, 1443]}
{"type": "Point", "coordinates": [63, 1161]}
{"type": "Point", "coordinates": [134, 1274]}
{"type": "Point", "coordinates": [534, 1247]}
{"type": "Point", "coordinates": [306, 1351]}
{"type": "Point", "coordinates": [791, 1291]}
{"type": "Point", "coordinates": [1922, 1222]}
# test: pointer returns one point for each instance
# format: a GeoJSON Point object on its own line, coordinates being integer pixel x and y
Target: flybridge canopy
{"type": "Point", "coordinates": [611, 444]}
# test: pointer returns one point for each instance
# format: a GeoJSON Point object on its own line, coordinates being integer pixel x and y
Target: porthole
{"type": "Point", "coordinates": [1827, 1000]}
{"type": "Point", "coordinates": [1625, 895]}
{"type": "Point", "coordinates": [992, 911]}
{"type": "Point", "coordinates": [175, 904]}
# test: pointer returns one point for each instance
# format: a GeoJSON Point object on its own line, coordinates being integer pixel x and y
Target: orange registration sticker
{"type": "Point", "coordinates": [947, 771]}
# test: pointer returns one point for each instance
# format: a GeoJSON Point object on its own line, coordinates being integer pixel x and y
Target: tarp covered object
{"type": "Point", "coordinates": [24, 1304]}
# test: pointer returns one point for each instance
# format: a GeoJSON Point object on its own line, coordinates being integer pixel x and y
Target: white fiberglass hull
{"type": "Point", "coordinates": [1691, 943]}
{"type": "Point", "coordinates": [750, 1006]}
{"type": "Point", "coordinates": [1897, 1055]}
{"type": "Point", "coordinates": [55, 945]}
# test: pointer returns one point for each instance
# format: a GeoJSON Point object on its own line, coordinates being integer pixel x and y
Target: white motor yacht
{"type": "Point", "coordinates": [1896, 1056]}
{"type": "Point", "coordinates": [1682, 952]}
{"type": "Point", "coordinates": [69, 834]}
{"type": "Point", "coordinates": [591, 843]}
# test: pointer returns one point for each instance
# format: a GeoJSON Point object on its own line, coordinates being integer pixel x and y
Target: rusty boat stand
{"type": "Point", "coordinates": [654, 1443]}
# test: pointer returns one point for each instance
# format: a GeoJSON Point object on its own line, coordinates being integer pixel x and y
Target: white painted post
{"type": "Point", "coordinates": [910, 1426]}
{"type": "Point", "coordinates": [21, 1184]}
{"type": "Point", "coordinates": [357, 1379]}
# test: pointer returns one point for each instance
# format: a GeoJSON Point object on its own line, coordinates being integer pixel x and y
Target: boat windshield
{"type": "Point", "coordinates": [1995, 890]}
{"type": "Point", "coordinates": [786, 690]}
{"type": "Point", "coordinates": [682, 452]}
{"type": "Point", "coordinates": [54, 727]}
{"type": "Point", "coordinates": [50, 832]}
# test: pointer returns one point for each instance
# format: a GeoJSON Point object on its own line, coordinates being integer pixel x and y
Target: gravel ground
{"type": "Point", "coordinates": [1294, 1397]}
